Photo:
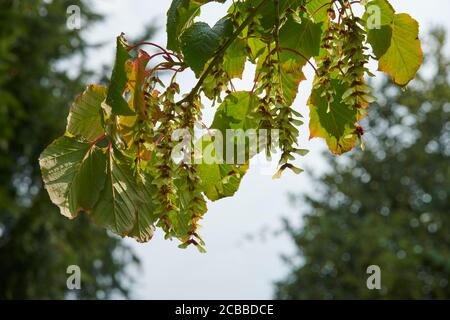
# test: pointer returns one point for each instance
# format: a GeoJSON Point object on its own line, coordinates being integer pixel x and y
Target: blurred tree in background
{"type": "Point", "coordinates": [387, 206]}
{"type": "Point", "coordinates": [36, 243]}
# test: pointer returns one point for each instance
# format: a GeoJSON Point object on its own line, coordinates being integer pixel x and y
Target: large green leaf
{"type": "Point", "coordinates": [124, 205]}
{"type": "Point", "coordinates": [179, 17]}
{"type": "Point", "coordinates": [80, 176]}
{"type": "Point", "coordinates": [88, 181]}
{"type": "Point", "coordinates": [200, 41]}
{"type": "Point", "coordinates": [404, 56]}
{"type": "Point", "coordinates": [73, 173]}
{"type": "Point", "coordinates": [395, 41]}
{"type": "Point", "coordinates": [84, 119]}
{"type": "Point", "coordinates": [336, 125]}
{"type": "Point", "coordinates": [115, 102]}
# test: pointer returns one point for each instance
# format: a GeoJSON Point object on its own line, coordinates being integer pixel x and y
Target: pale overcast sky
{"type": "Point", "coordinates": [233, 267]}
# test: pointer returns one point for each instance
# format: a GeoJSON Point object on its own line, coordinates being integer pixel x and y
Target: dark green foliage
{"type": "Point", "coordinates": [386, 206]}
{"type": "Point", "coordinates": [36, 245]}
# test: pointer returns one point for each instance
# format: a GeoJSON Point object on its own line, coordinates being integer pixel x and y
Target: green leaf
{"type": "Point", "coordinates": [404, 57]}
{"type": "Point", "coordinates": [378, 27]}
{"type": "Point", "coordinates": [179, 17]}
{"type": "Point", "coordinates": [235, 58]}
{"type": "Point", "coordinates": [337, 126]}
{"type": "Point", "coordinates": [115, 102]}
{"type": "Point", "coordinates": [237, 111]}
{"type": "Point", "coordinates": [303, 37]}
{"type": "Point", "coordinates": [268, 12]}
{"type": "Point", "coordinates": [124, 205]}
{"type": "Point", "coordinates": [88, 181]}
{"type": "Point", "coordinates": [374, 7]}
{"type": "Point", "coordinates": [84, 119]}
{"type": "Point", "coordinates": [218, 180]}
{"type": "Point", "coordinates": [200, 41]}
{"type": "Point", "coordinates": [380, 40]}
{"type": "Point", "coordinates": [304, 45]}
{"type": "Point", "coordinates": [73, 173]}
{"type": "Point", "coordinates": [291, 75]}
{"type": "Point", "coordinates": [256, 47]}
{"type": "Point", "coordinates": [80, 176]}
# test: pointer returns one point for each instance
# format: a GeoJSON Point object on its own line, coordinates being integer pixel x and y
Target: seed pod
{"type": "Point", "coordinates": [331, 14]}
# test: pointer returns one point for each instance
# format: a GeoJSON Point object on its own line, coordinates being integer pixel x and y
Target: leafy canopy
{"type": "Point", "coordinates": [115, 160]}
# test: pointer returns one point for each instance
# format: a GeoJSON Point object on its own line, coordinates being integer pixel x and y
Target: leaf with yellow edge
{"type": "Point", "coordinates": [404, 56]}
{"type": "Point", "coordinates": [338, 125]}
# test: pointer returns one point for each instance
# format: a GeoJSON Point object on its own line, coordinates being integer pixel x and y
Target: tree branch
{"type": "Point", "coordinates": [221, 50]}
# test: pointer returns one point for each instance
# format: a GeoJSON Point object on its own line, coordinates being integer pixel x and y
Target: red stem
{"type": "Point", "coordinates": [157, 54]}
{"type": "Point", "coordinates": [168, 54]}
{"type": "Point", "coordinates": [97, 140]}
